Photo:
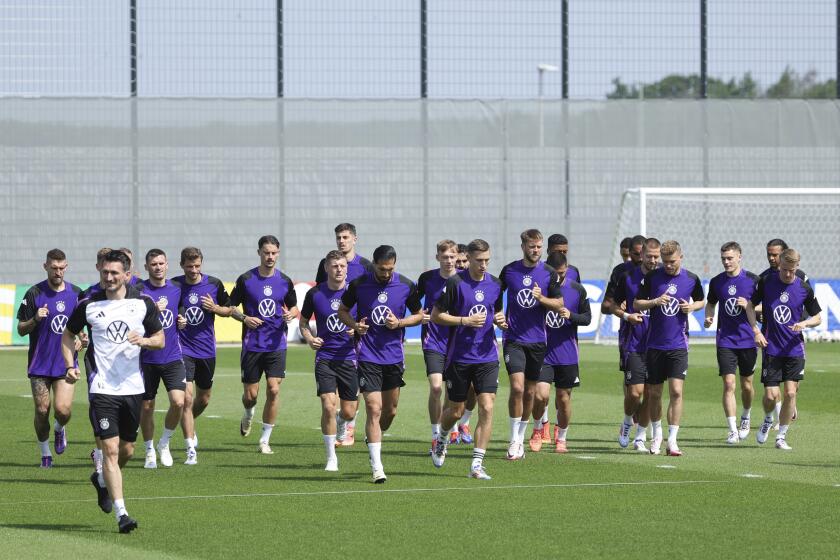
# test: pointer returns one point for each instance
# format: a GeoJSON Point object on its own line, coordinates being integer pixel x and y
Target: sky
{"type": "Point", "coordinates": [371, 48]}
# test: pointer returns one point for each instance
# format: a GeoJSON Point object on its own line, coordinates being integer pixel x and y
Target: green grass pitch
{"type": "Point", "coordinates": [598, 501]}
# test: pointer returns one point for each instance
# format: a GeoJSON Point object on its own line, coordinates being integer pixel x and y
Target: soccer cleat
{"type": "Point", "coordinates": [126, 524]}
{"type": "Point", "coordinates": [464, 431]}
{"type": "Point", "coordinates": [245, 425]}
{"type": "Point", "coordinates": [655, 444]}
{"type": "Point", "coordinates": [102, 496]}
{"type": "Point", "coordinates": [151, 459]}
{"type": "Point", "coordinates": [546, 432]}
{"type": "Point", "coordinates": [764, 431]}
{"type": "Point", "coordinates": [265, 449]}
{"type": "Point", "coordinates": [60, 440]}
{"type": "Point", "coordinates": [165, 455]}
{"type": "Point", "coordinates": [639, 445]}
{"type": "Point", "coordinates": [46, 462]}
{"type": "Point", "coordinates": [624, 434]}
{"type": "Point", "coordinates": [560, 446]}
{"type": "Point", "coordinates": [744, 428]}
{"type": "Point", "coordinates": [379, 476]}
{"type": "Point", "coordinates": [535, 443]}
{"type": "Point", "coordinates": [480, 474]}
{"type": "Point", "coordinates": [515, 451]}
{"type": "Point", "coordinates": [454, 437]}
{"type": "Point", "coordinates": [192, 457]}
{"type": "Point", "coordinates": [673, 451]}
{"type": "Point", "coordinates": [438, 453]}
{"type": "Point", "coordinates": [332, 464]}
{"type": "Point", "coordinates": [733, 438]}
{"type": "Point", "coordinates": [782, 444]}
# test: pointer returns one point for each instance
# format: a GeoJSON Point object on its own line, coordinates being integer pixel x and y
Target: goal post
{"type": "Point", "coordinates": [703, 219]}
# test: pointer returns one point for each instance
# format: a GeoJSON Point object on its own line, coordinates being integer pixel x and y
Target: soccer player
{"type": "Point", "coordinates": [671, 293]}
{"type": "Point", "coordinates": [624, 248]}
{"type": "Point", "coordinates": [635, 346]}
{"type": "Point", "coordinates": [730, 292]}
{"type": "Point", "coordinates": [525, 280]}
{"type": "Point", "coordinates": [774, 252]}
{"type": "Point", "coordinates": [381, 296]}
{"type": "Point", "coordinates": [269, 302]}
{"type": "Point", "coordinates": [165, 365]}
{"type": "Point", "coordinates": [559, 243]}
{"type": "Point", "coordinates": [43, 316]}
{"type": "Point", "coordinates": [434, 338]}
{"type": "Point", "coordinates": [562, 356]}
{"type": "Point", "coordinates": [608, 305]}
{"type": "Point", "coordinates": [462, 261]}
{"type": "Point", "coordinates": [785, 298]}
{"type": "Point", "coordinates": [202, 298]}
{"type": "Point", "coordinates": [472, 358]}
{"type": "Point", "coordinates": [117, 318]}
{"type": "Point", "coordinates": [335, 353]}
{"type": "Point", "coordinates": [345, 241]}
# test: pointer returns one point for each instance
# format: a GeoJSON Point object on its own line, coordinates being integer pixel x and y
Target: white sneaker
{"type": "Point", "coordinates": [763, 431]}
{"type": "Point", "coordinates": [379, 476]}
{"type": "Point", "coordinates": [513, 451]}
{"type": "Point", "coordinates": [639, 445]}
{"type": "Point", "coordinates": [733, 438]}
{"type": "Point", "coordinates": [265, 449]}
{"type": "Point", "coordinates": [782, 444]}
{"type": "Point", "coordinates": [479, 474]}
{"type": "Point", "coordinates": [624, 435]}
{"type": "Point", "coordinates": [744, 428]}
{"type": "Point", "coordinates": [151, 460]}
{"type": "Point", "coordinates": [165, 455]}
{"type": "Point", "coordinates": [439, 453]}
{"type": "Point", "coordinates": [192, 457]}
{"type": "Point", "coordinates": [332, 464]}
{"type": "Point", "coordinates": [655, 445]}
{"type": "Point", "coordinates": [245, 425]}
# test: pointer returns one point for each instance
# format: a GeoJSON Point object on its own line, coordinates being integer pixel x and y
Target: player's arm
{"type": "Point", "coordinates": [608, 303]}
{"type": "Point", "coordinates": [412, 303]}
{"type": "Point", "coordinates": [812, 308]}
{"type": "Point", "coordinates": [349, 299]}
{"type": "Point", "coordinates": [697, 298]}
{"type": "Point", "coordinates": [28, 314]}
{"type": "Point", "coordinates": [583, 316]}
{"type": "Point", "coordinates": [755, 301]}
{"type": "Point", "coordinates": [306, 313]}
{"type": "Point", "coordinates": [554, 300]}
{"type": "Point", "coordinates": [155, 339]}
{"type": "Point", "coordinates": [643, 300]}
{"type": "Point", "coordinates": [290, 310]}
{"type": "Point", "coordinates": [75, 324]}
{"type": "Point", "coordinates": [221, 305]}
{"type": "Point", "coordinates": [237, 297]}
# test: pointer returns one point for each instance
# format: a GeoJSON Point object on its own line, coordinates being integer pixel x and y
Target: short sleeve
{"type": "Point", "coordinates": [758, 294]}
{"type": "Point", "coordinates": [151, 322]}
{"type": "Point", "coordinates": [308, 304]}
{"type": "Point", "coordinates": [350, 297]}
{"type": "Point", "coordinates": [27, 308]}
{"type": "Point", "coordinates": [237, 296]}
{"type": "Point", "coordinates": [291, 295]}
{"type": "Point", "coordinates": [78, 319]}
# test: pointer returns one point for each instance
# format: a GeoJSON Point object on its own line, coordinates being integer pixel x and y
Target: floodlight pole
{"type": "Point", "coordinates": [134, 133]}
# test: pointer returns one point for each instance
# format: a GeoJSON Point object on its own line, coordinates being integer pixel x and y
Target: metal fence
{"type": "Point", "coordinates": [474, 49]}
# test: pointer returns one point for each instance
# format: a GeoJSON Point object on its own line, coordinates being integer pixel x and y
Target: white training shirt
{"type": "Point", "coordinates": [116, 362]}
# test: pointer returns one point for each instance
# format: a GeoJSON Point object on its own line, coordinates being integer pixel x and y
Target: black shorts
{"type": "Point", "coordinates": [380, 377]}
{"type": "Point", "coordinates": [778, 369]}
{"type": "Point", "coordinates": [115, 415]}
{"type": "Point", "coordinates": [635, 368]}
{"type": "Point", "coordinates": [173, 374]}
{"type": "Point", "coordinates": [337, 374]}
{"type": "Point", "coordinates": [736, 359]}
{"type": "Point", "coordinates": [435, 362]}
{"type": "Point", "coordinates": [483, 377]}
{"type": "Point", "coordinates": [564, 377]}
{"type": "Point", "coordinates": [666, 364]}
{"type": "Point", "coordinates": [201, 371]}
{"type": "Point", "coordinates": [524, 358]}
{"type": "Point", "coordinates": [255, 364]}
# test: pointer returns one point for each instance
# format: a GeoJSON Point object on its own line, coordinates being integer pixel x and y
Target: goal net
{"type": "Point", "coordinates": [702, 220]}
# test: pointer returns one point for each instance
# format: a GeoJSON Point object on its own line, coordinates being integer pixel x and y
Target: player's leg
{"type": "Point", "coordinates": [771, 378]}
{"type": "Point", "coordinates": [794, 369]}
{"type": "Point", "coordinates": [370, 383]}
{"type": "Point", "coordinates": [457, 382]}
{"type": "Point", "coordinates": [643, 417]}
{"type": "Point", "coordinates": [675, 409]}
{"type": "Point", "coordinates": [654, 385]}
{"type": "Point", "coordinates": [274, 364]}
{"type": "Point", "coordinates": [514, 355]}
{"type": "Point", "coordinates": [540, 390]}
{"type": "Point", "coordinates": [727, 360]}
{"type": "Point", "coordinates": [328, 428]}
{"type": "Point", "coordinates": [251, 364]}
{"type": "Point", "coordinates": [563, 398]}
{"type": "Point", "coordinates": [746, 367]}
{"type": "Point", "coordinates": [187, 417]}
{"type": "Point", "coordinates": [464, 435]}
{"type": "Point", "coordinates": [41, 398]}
{"type": "Point", "coordinates": [347, 380]}
{"type": "Point", "coordinates": [434, 374]}
{"type": "Point", "coordinates": [151, 382]}
{"type": "Point", "coordinates": [483, 432]}
{"type": "Point", "coordinates": [174, 380]}
{"type": "Point", "coordinates": [62, 407]}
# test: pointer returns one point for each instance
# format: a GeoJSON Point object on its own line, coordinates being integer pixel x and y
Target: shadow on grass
{"type": "Point", "coordinates": [45, 481]}
{"type": "Point", "coordinates": [60, 527]}
{"type": "Point", "coordinates": [812, 465]}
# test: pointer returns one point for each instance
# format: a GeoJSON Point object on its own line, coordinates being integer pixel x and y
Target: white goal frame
{"type": "Point", "coordinates": [644, 192]}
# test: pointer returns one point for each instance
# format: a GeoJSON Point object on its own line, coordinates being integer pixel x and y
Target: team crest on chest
{"type": "Point", "coordinates": [267, 291]}
{"type": "Point", "coordinates": [479, 295]}
{"type": "Point", "coordinates": [60, 307]}
{"type": "Point", "coordinates": [785, 297]}
{"type": "Point", "coordinates": [732, 290]}
{"type": "Point", "coordinates": [193, 298]}
{"type": "Point", "coordinates": [382, 297]}
{"type": "Point", "coordinates": [527, 280]}
{"type": "Point", "coordinates": [672, 289]}
{"type": "Point", "coordinates": [334, 303]}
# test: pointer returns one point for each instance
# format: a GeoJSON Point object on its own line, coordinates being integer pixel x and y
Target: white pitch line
{"type": "Point", "coordinates": [666, 466]}
{"type": "Point", "coordinates": [394, 491]}
{"type": "Point", "coordinates": [751, 475]}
